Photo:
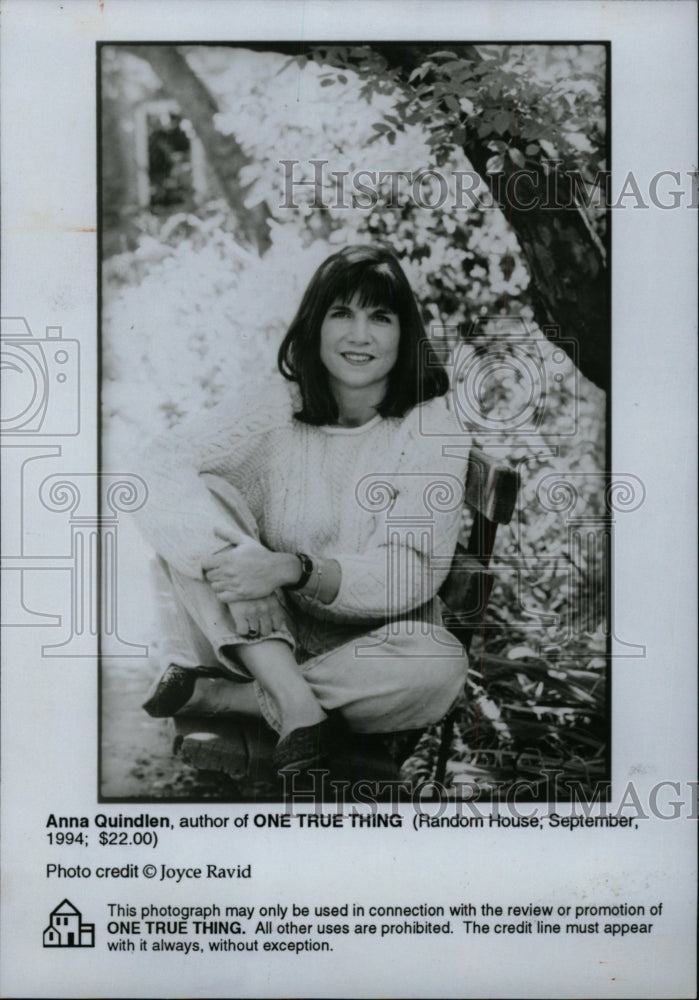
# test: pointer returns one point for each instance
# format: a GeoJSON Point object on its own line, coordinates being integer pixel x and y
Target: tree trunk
{"type": "Point", "coordinates": [569, 280]}
{"type": "Point", "coordinates": [224, 153]}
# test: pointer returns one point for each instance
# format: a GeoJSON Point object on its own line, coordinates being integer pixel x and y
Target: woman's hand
{"type": "Point", "coordinates": [258, 618]}
{"type": "Point", "coordinates": [246, 570]}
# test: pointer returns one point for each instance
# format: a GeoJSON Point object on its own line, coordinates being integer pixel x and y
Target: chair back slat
{"type": "Point", "coordinates": [491, 492]}
{"type": "Point", "coordinates": [491, 487]}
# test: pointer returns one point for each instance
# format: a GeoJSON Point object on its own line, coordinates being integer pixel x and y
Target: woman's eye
{"type": "Point", "coordinates": [382, 317]}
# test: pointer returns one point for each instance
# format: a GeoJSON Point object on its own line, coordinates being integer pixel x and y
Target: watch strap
{"type": "Point", "coordinates": [306, 570]}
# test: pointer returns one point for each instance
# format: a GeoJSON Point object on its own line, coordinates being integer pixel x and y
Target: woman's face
{"type": "Point", "coordinates": [359, 345]}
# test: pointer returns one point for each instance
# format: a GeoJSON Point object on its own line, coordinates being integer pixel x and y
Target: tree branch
{"type": "Point", "coordinates": [224, 153]}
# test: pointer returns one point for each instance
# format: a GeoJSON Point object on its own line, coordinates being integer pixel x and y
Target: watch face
{"type": "Point", "coordinates": [306, 569]}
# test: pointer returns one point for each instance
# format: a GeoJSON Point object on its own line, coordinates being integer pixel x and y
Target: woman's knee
{"type": "Point", "coordinates": [437, 679]}
{"type": "Point", "coordinates": [391, 679]}
{"type": "Point", "coordinates": [232, 502]}
{"type": "Point", "coordinates": [415, 640]}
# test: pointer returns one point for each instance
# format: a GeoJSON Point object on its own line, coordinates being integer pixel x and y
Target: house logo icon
{"type": "Point", "coordinates": [67, 930]}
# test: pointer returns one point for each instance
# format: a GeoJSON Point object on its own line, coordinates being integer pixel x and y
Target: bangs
{"type": "Point", "coordinates": [371, 276]}
{"type": "Point", "coordinates": [375, 286]}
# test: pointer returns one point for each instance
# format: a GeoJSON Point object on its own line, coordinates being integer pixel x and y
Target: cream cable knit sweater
{"type": "Point", "coordinates": [381, 499]}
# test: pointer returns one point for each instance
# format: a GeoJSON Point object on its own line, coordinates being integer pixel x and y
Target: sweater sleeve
{"type": "Point", "coordinates": [410, 551]}
{"type": "Point", "coordinates": [180, 515]}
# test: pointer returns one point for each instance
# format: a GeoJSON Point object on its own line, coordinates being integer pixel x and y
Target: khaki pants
{"type": "Point", "coordinates": [403, 675]}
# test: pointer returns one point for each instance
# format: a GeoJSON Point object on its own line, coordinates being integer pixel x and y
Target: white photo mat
{"type": "Point", "coordinates": [50, 731]}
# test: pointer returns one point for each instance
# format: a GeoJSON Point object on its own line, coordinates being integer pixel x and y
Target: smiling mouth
{"type": "Point", "coordinates": [357, 358]}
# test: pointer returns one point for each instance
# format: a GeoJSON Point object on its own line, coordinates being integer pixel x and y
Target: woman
{"type": "Point", "coordinates": [307, 530]}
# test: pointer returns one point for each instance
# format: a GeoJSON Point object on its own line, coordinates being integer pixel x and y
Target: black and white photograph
{"type": "Point", "coordinates": [356, 300]}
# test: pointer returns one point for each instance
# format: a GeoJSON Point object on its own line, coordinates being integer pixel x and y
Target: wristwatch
{"type": "Point", "coordinates": [306, 570]}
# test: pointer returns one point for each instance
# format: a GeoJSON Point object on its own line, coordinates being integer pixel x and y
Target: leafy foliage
{"type": "Point", "coordinates": [532, 105]}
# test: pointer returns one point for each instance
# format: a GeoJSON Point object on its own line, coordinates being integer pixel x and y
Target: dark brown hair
{"type": "Point", "coordinates": [375, 276]}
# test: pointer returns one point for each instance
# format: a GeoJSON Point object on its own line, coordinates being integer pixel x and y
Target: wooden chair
{"type": "Point", "coordinates": [241, 745]}
{"type": "Point", "coordinates": [491, 493]}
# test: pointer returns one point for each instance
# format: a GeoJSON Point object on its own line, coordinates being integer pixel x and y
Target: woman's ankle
{"type": "Point", "coordinates": [308, 713]}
